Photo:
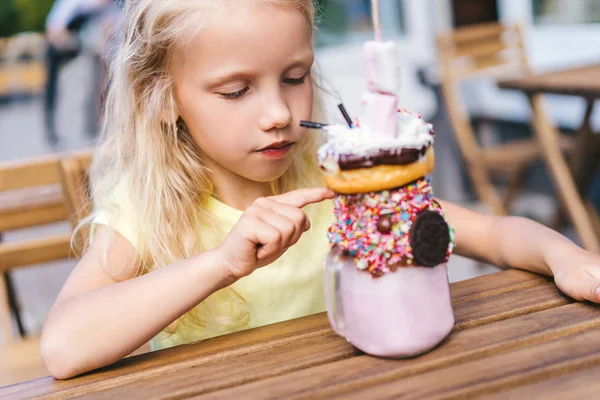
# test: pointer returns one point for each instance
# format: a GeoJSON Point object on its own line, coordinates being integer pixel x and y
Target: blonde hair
{"type": "Point", "coordinates": [158, 164]}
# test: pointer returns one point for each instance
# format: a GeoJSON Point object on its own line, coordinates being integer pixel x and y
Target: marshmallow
{"type": "Point", "coordinates": [382, 66]}
{"type": "Point", "coordinates": [380, 114]}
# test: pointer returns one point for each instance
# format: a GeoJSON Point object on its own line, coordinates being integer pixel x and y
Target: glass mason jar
{"type": "Point", "coordinates": [392, 303]}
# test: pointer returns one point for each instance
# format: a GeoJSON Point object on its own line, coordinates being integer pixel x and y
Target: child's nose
{"type": "Point", "coordinates": [276, 114]}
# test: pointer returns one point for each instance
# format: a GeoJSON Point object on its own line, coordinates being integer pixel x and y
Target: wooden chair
{"type": "Point", "coordinates": [23, 68]}
{"type": "Point", "coordinates": [31, 194]}
{"type": "Point", "coordinates": [76, 190]}
{"type": "Point", "coordinates": [496, 51]}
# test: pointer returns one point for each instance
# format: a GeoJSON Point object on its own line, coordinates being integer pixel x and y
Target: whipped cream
{"type": "Point", "coordinates": [412, 133]}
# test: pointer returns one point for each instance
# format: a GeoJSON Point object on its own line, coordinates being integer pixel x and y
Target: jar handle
{"type": "Point", "coordinates": [333, 293]}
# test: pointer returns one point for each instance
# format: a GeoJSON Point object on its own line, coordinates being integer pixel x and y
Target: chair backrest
{"type": "Point", "coordinates": [31, 194]}
{"type": "Point", "coordinates": [74, 173]}
{"type": "Point", "coordinates": [492, 50]}
{"type": "Point", "coordinates": [29, 44]}
{"type": "Point", "coordinates": [22, 69]}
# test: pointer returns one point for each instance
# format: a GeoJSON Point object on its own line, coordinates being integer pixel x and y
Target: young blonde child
{"type": "Point", "coordinates": [205, 188]}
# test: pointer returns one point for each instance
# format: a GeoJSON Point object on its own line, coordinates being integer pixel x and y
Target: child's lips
{"type": "Point", "coordinates": [276, 150]}
{"type": "Point", "coordinates": [277, 145]}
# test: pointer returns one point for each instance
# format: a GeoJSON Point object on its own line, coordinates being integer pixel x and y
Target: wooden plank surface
{"type": "Point", "coordinates": [578, 385]}
{"type": "Point", "coordinates": [22, 174]}
{"type": "Point", "coordinates": [494, 373]}
{"type": "Point", "coordinates": [174, 359]}
{"type": "Point", "coordinates": [21, 360]}
{"type": "Point", "coordinates": [236, 348]}
{"type": "Point", "coordinates": [237, 371]}
{"type": "Point", "coordinates": [34, 251]}
{"type": "Point", "coordinates": [32, 215]}
{"type": "Point", "coordinates": [251, 341]}
{"type": "Point", "coordinates": [498, 283]}
{"type": "Point", "coordinates": [344, 377]}
{"type": "Point", "coordinates": [233, 372]}
{"type": "Point", "coordinates": [480, 48]}
{"type": "Point", "coordinates": [477, 32]}
{"type": "Point", "coordinates": [582, 81]}
{"type": "Point", "coordinates": [507, 305]}
{"type": "Point", "coordinates": [26, 174]}
{"type": "Point", "coordinates": [514, 309]}
{"type": "Point", "coordinates": [29, 207]}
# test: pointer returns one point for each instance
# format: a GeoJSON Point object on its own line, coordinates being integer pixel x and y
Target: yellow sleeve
{"type": "Point", "coordinates": [118, 213]}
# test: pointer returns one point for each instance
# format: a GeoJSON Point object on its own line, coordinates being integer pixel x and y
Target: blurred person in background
{"type": "Point", "coordinates": [358, 13]}
{"type": "Point", "coordinates": [76, 27]}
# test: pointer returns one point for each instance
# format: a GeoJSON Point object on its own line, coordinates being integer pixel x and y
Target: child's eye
{"type": "Point", "coordinates": [235, 95]}
{"type": "Point", "coordinates": [295, 81]}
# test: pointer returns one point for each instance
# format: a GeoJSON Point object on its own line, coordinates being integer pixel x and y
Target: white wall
{"type": "Point", "coordinates": [548, 48]}
{"type": "Point", "coordinates": [343, 66]}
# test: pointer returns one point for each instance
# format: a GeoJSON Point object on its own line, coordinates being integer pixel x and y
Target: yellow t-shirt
{"type": "Point", "coordinates": [290, 287]}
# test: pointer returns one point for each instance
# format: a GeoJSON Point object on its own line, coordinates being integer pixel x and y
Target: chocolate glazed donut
{"type": "Point", "coordinates": [382, 157]}
{"type": "Point", "coordinates": [429, 238]}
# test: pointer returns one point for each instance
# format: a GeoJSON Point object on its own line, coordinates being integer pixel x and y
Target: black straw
{"type": "Point", "coordinates": [313, 125]}
{"type": "Point", "coordinates": [345, 114]}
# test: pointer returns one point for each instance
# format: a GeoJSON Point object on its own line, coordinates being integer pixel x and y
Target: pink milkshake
{"type": "Point", "coordinates": [386, 277]}
{"type": "Point", "coordinates": [402, 314]}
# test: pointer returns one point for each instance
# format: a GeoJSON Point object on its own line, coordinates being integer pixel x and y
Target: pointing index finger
{"type": "Point", "coordinates": [302, 197]}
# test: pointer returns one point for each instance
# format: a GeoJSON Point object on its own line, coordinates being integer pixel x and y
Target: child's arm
{"type": "Point", "coordinates": [98, 319]}
{"type": "Point", "coordinates": [521, 243]}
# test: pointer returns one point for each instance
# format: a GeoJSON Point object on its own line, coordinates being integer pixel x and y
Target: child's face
{"type": "Point", "coordinates": [243, 84]}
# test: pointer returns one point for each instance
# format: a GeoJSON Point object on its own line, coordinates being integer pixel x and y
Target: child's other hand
{"type": "Point", "coordinates": [267, 229]}
{"type": "Point", "coordinates": [578, 276]}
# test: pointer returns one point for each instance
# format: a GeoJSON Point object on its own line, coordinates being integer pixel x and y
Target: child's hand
{"type": "Point", "coordinates": [578, 276]}
{"type": "Point", "coordinates": [267, 229]}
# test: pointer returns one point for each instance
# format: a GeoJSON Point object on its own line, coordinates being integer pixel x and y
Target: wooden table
{"type": "Point", "coordinates": [569, 179]}
{"type": "Point", "coordinates": [516, 336]}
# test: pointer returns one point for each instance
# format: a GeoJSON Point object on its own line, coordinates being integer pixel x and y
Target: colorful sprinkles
{"type": "Point", "coordinates": [374, 228]}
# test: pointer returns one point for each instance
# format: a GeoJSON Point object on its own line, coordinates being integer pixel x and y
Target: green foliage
{"type": "Point", "coordinates": [32, 14]}
{"type": "Point", "coordinates": [332, 16]}
{"type": "Point", "coordinates": [9, 18]}
{"type": "Point", "coordinates": [23, 15]}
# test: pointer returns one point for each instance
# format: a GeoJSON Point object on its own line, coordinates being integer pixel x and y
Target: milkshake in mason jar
{"type": "Point", "coordinates": [386, 277]}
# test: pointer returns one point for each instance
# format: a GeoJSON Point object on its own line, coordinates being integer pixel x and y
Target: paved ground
{"type": "Point", "coordinates": [21, 136]}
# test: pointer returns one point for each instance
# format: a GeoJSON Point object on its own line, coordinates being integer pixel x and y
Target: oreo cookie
{"type": "Point", "coordinates": [429, 238]}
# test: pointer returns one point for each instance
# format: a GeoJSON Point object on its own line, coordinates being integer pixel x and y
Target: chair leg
{"type": "Point", "coordinates": [559, 219]}
{"type": "Point", "coordinates": [563, 179]}
{"type": "Point", "coordinates": [13, 304]}
{"type": "Point", "coordinates": [515, 185]}
{"type": "Point", "coordinates": [6, 323]}
{"type": "Point", "coordinates": [594, 217]}
{"type": "Point", "coordinates": [13, 307]}
{"type": "Point", "coordinates": [583, 164]}
{"type": "Point", "coordinates": [485, 189]}
{"type": "Point", "coordinates": [582, 141]}
{"type": "Point", "coordinates": [587, 171]}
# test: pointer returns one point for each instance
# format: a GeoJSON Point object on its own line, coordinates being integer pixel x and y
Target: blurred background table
{"type": "Point", "coordinates": [571, 177]}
